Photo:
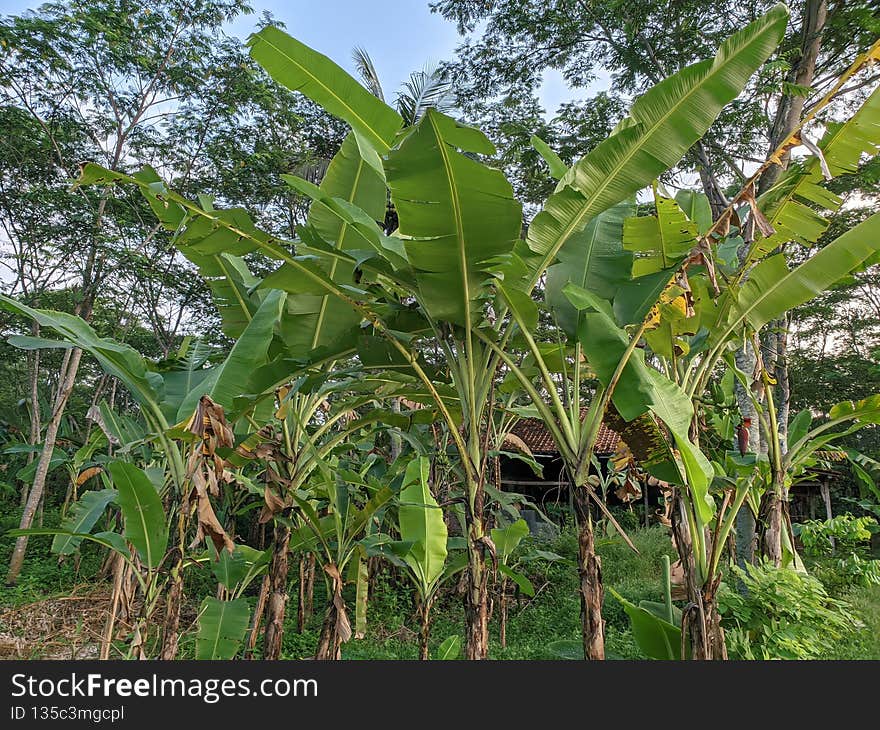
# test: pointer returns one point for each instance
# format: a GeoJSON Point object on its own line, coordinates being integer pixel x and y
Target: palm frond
{"type": "Point", "coordinates": [425, 89]}
{"type": "Point", "coordinates": [367, 71]}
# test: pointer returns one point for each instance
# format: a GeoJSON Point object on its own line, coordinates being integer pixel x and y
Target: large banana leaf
{"type": "Point", "coordinates": [557, 167]}
{"type": "Point", "coordinates": [182, 380]}
{"type": "Point", "coordinates": [142, 512]}
{"type": "Point", "coordinates": [593, 259]}
{"type": "Point", "coordinates": [787, 203]}
{"type": "Point", "coordinates": [420, 521]}
{"type": "Point", "coordinates": [641, 389]}
{"type": "Point", "coordinates": [82, 518]}
{"type": "Point", "coordinates": [115, 358]}
{"type": "Point", "coordinates": [210, 231]}
{"type": "Point", "coordinates": [772, 289]}
{"type": "Point", "coordinates": [312, 321]}
{"type": "Point", "coordinates": [659, 242]}
{"type": "Point", "coordinates": [663, 125]}
{"type": "Point", "coordinates": [696, 207]}
{"type": "Point", "coordinates": [227, 380]}
{"type": "Point", "coordinates": [302, 69]}
{"type": "Point", "coordinates": [508, 538]}
{"type": "Point", "coordinates": [658, 639]}
{"type": "Point", "coordinates": [865, 411]}
{"type": "Point", "coordinates": [456, 215]}
{"type": "Point", "coordinates": [227, 276]}
{"type": "Point", "coordinates": [222, 626]}
{"type": "Point", "coordinates": [232, 288]}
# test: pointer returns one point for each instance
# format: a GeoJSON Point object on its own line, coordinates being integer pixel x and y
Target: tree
{"type": "Point", "coordinates": [115, 82]}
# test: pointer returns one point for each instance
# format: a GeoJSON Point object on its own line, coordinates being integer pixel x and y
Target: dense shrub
{"type": "Point", "coordinates": [842, 534]}
{"type": "Point", "coordinates": [782, 614]}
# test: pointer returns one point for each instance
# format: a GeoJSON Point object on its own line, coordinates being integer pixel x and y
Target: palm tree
{"type": "Point", "coordinates": [425, 89]}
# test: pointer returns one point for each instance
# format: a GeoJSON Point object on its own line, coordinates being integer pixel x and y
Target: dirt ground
{"type": "Point", "coordinates": [67, 627]}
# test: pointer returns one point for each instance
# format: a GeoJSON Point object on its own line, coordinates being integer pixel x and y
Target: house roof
{"type": "Point", "coordinates": [537, 437]}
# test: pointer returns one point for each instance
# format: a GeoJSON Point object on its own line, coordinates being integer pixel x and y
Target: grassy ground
{"type": "Point", "coordinates": [865, 644]}
{"type": "Point", "coordinates": [546, 627]}
{"type": "Point", "coordinates": [42, 575]}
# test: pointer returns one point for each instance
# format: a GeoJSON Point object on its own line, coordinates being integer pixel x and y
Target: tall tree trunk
{"type": "Point", "coordinates": [791, 106]}
{"type": "Point", "coordinates": [66, 380]}
{"type": "Point", "coordinates": [590, 572]}
{"type": "Point", "coordinates": [277, 601]}
{"type": "Point", "coordinates": [711, 187]}
{"type": "Point", "coordinates": [36, 492]}
{"type": "Point", "coordinates": [34, 396]}
{"type": "Point", "coordinates": [787, 116]}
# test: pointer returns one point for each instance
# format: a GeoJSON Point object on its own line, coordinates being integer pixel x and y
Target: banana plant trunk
{"type": "Point", "coordinates": [277, 601]}
{"type": "Point", "coordinates": [590, 572]}
{"type": "Point", "coordinates": [336, 629]}
{"type": "Point", "coordinates": [502, 628]}
{"type": "Point", "coordinates": [171, 626]}
{"type": "Point", "coordinates": [306, 591]}
{"type": "Point", "coordinates": [701, 620]}
{"type": "Point", "coordinates": [477, 590]}
{"type": "Point", "coordinates": [424, 611]}
{"type": "Point", "coordinates": [774, 523]}
{"type": "Point", "coordinates": [174, 597]}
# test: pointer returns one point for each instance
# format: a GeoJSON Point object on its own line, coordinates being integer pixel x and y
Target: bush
{"type": "Point", "coordinates": [841, 534]}
{"type": "Point", "coordinates": [782, 614]}
{"type": "Point", "coordinates": [851, 537]}
{"type": "Point", "coordinates": [841, 574]}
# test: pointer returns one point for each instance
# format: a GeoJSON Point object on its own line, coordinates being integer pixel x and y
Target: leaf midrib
{"type": "Point", "coordinates": [342, 231]}
{"type": "Point", "coordinates": [384, 146]}
{"type": "Point", "coordinates": [573, 226]}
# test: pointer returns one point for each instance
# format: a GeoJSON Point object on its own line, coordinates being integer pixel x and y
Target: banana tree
{"type": "Point", "coordinates": [459, 224]}
{"type": "Point", "coordinates": [174, 403]}
{"type": "Point", "coordinates": [316, 419]}
{"type": "Point", "coordinates": [691, 330]}
{"type": "Point", "coordinates": [423, 547]}
{"type": "Point", "coordinates": [760, 288]}
{"type": "Point", "coordinates": [141, 548]}
{"type": "Point", "coordinates": [350, 504]}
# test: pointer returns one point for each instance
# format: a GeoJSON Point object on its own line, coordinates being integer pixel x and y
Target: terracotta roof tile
{"type": "Point", "coordinates": [536, 436]}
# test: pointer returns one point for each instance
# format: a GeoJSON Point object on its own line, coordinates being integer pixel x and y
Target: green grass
{"type": "Point", "coordinates": [865, 643]}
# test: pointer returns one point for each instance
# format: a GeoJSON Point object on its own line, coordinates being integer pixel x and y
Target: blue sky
{"type": "Point", "coordinates": [400, 35]}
